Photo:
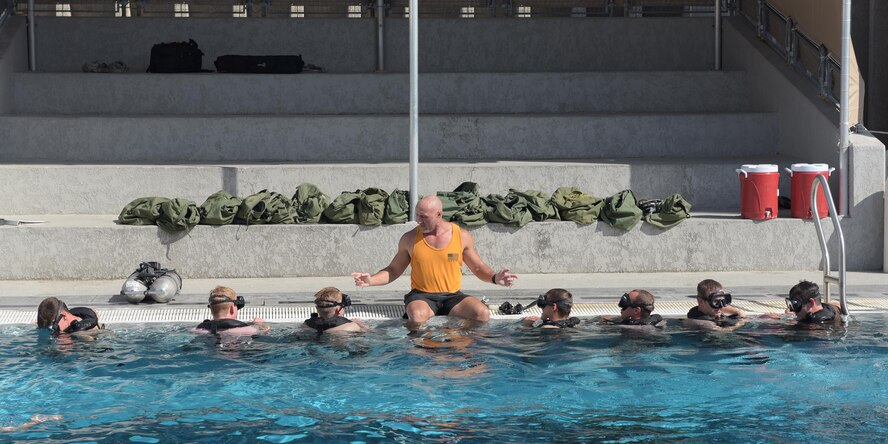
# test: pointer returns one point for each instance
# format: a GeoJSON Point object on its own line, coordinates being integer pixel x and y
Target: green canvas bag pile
{"type": "Point", "coordinates": [464, 205]}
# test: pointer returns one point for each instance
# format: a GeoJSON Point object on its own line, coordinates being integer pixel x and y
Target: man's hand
{"type": "Point", "coordinates": [361, 279]}
{"type": "Point", "coordinates": [505, 278]}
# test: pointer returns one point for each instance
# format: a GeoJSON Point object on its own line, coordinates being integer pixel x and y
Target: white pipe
{"type": "Point", "coordinates": [32, 42]}
{"type": "Point", "coordinates": [844, 111]}
{"type": "Point", "coordinates": [718, 62]}
{"type": "Point", "coordinates": [414, 106]}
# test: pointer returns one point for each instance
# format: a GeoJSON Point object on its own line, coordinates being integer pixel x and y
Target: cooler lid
{"type": "Point", "coordinates": [760, 168]}
{"type": "Point", "coordinates": [809, 168]}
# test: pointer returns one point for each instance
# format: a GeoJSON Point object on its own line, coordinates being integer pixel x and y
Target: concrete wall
{"type": "Point", "coordinates": [808, 125]}
{"type": "Point", "coordinates": [13, 58]}
{"type": "Point", "coordinates": [349, 45]}
{"type": "Point", "coordinates": [609, 44]}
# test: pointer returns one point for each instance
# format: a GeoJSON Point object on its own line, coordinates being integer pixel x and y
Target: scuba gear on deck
{"type": "Point", "coordinates": [151, 280]}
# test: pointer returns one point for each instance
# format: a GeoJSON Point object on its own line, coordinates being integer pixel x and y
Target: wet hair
{"type": "Point", "coordinates": [48, 310]}
{"type": "Point", "coordinates": [646, 300]}
{"type": "Point", "coordinates": [221, 308]}
{"type": "Point", "coordinates": [805, 290]}
{"type": "Point", "coordinates": [324, 297]}
{"type": "Point", "coordinates": [708, 286]}
{"type": "Point", "coordinates": [557, 295]}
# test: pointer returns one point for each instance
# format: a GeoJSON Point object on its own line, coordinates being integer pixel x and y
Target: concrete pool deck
{"type": "Point", "coordinates": [289, 299]}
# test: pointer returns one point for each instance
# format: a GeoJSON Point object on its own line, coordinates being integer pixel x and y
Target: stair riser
{"type": "Point", "coordinates": [380, 138]}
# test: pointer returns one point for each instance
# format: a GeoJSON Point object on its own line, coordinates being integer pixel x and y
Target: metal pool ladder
{"type": "Point", "coordinates": [820, 181]}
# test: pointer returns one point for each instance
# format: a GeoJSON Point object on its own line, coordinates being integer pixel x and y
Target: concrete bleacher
{"type": "Point", "coordinates": [77, 147]}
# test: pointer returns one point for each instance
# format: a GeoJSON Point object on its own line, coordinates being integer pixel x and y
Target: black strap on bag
{"type": "Point", "coordinates": [273, 64]}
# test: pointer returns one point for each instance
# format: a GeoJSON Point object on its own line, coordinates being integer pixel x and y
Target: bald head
{"type": "Point", "coordinates": [430, 203]}
{"type": "Point", "coordinates": [429, 213]}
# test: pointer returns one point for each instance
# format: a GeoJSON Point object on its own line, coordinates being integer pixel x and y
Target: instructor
{"type": "Point", "coordinates": [435, 252]}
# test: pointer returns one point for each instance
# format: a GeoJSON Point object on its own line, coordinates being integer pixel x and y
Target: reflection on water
{"type": "Point", "coordinates": [450, 381]}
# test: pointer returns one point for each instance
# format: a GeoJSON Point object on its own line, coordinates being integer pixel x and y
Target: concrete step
{"type": "Point", "coordinates": [94, 247]}
{"type": "Point", "coordinates": [294, 138]}
{"type": "Point", "coordinates": [449, 93]}
{"type": "Point", "coordinates": [709, 184]}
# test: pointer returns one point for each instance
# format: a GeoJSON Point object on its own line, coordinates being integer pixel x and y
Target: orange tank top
{"type": "Point", "coordinates": [436, 270]}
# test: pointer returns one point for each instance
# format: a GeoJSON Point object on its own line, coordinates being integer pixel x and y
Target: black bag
{"type": "Point", "coordinates": [278, 64]}
{"type": "Point", "coordinates": [176, 57]}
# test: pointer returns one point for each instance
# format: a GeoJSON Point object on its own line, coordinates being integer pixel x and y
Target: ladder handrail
{"type": "Point", "coordinates": [820, 181]}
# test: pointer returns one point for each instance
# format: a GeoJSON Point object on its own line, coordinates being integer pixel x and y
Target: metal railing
{"type": "Point", "coordinates": [367, 8]}
{"type": "Point", "coordinates": [5, 11]}
{"type": "Point", "coordinates": [828, 279]}
{"type": "Point", "coordinates": [813, 60]}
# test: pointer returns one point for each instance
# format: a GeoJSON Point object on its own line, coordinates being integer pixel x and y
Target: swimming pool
{"type": "Point", "coordinates": [157, 383]}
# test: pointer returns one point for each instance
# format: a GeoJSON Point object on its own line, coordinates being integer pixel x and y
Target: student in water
{"type": "Point", "coordinates": [556, 305]}
{"type": "Point", "coordinates": [330, 304]}
{"type": "Point", "coordinates": [224, 304]}
{"type": "Point", "coordinates": [56, 316]}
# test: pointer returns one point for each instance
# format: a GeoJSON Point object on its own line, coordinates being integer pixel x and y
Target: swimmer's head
{"type": "Point", "coordinates": [711, 297]}
{"type": "Point", "coordinates": [801, 297]}
{"type": "Point", "coordinates": [330, 302]}
{"type": "Point", "coordinates": [49, 311]}
{"type": "Point", "coordinates": [636, 304]}
{"type": "Point", "coordinates": [224, 302]}
{"type": "Point", "coordinates": [559, 299]}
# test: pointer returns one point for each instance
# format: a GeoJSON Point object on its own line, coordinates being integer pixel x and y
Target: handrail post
{"type": "Point", "coordinates": [820, 182]}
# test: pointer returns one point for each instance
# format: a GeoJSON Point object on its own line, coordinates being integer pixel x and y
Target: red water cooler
{"type": "Point", "coordinates": [803, 175]}
{"type": "Point", "coordinates": [758, 191]}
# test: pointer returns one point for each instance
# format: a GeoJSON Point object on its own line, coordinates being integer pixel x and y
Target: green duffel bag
{"type": "Point", "coordinates": [265, 207]}
{"type": "Point", "coordinates": [396, 207]}
{"type": "Point", "coordinates": [279, 209]}
{"type": "Point", "coordinates": [371, 206]}
{"type": "Point", "coordinates": [497, 211]}
{"type": "Point", "coordinates": [577, 206]}
{"type": "Point", "coordinates": [469, 219]}
{"type": "Point", "coordinates": [463, 205]}
{"type": "Point", "coordinates": [343, 209]}
{"type": "Point", "coordinates": [673, 210]}
{"type": "Point", "coordinates": [539, 205]}
{"type": "Point", "coordinates": [178, 215]}
{"type": "Point", "coordinates": [219, 209]}
{"type": "Point", "coordinates": [141, 211]}
{"type": "Point", "coordinates": [621, 210]}
{"type": "Point", "coordinates": [309, 203]}
{"type": "Point", "coordinates": [520, 213]}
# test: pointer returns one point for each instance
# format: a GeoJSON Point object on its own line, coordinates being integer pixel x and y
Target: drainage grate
{"type": "Point", "coordinates": [297, 313]}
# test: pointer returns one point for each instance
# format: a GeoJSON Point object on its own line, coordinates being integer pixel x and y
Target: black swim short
{"type": "Point", "coordinates": [440, 303]}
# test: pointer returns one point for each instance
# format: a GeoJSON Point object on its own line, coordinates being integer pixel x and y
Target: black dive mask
{"type": "Point", "coordinates": [346, 301]}
{"type": "Point", "coordinates": [216, 299]}
{"type": "Point", "coordinates": [54, 326]}
{"type": "Point", "coordinates": [563, 304]}
{"type": "Point", "coordinates": [625, 303]}
{"type": "Point", "coordinates": [794, 305]}
{"type": "Point", "coordinates": [719, 299]}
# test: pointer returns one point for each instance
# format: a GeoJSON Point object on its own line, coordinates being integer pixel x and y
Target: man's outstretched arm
{"type": "Point", "coordinates": [481, 270]}
{"type": "Point", "coordinates": [393, 271]}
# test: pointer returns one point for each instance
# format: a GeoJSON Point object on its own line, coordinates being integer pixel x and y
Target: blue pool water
{"type": "Point", "coordinates": [150, 384]}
